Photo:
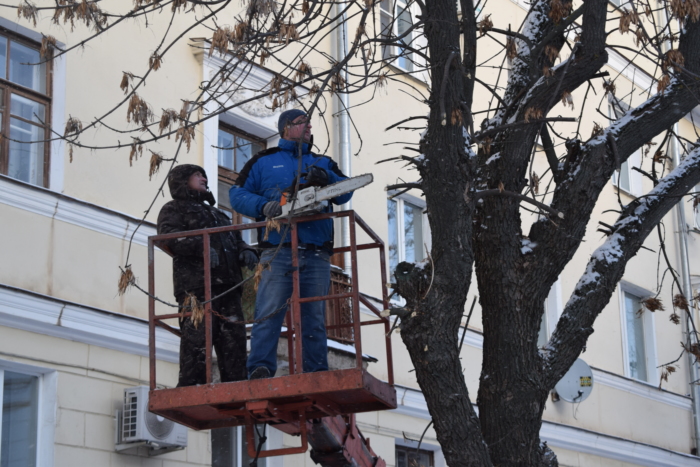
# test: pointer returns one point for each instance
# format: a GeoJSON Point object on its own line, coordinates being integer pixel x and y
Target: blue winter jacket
{"type": "Point", "coordinates": [268, 174]}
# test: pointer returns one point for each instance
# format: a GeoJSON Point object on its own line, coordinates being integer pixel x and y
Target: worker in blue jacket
{"type": "Point", "coordinates": [257, 194]}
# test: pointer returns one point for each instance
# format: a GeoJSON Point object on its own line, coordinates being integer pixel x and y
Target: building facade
{"type": "Point", "coordinates": [71, 216]}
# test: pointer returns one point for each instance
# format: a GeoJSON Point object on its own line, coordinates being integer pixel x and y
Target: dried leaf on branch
{"type": "Point", "coordinates": [27, 10]}
{"type": "Point", "coordinates": [566, 99]}
{"type": "Point", "coordinates": [559, 10]}
{"type": "Point", "coordinates": [73, 126]}
{"type": "Point", "coordinates": [126, 80]}
{"type": "Point", "coordinates": [126, 280]}
{"type": "Point", "coordinates": [155, 61]}
{"type": "Point", "coordinates": [139, 111]}
{"type": "Point", "coordinates": [627, 18]}
{"type": "Point", "coordinates": [533, 113]}
{"type": "Point", "coordinates": [154, 166]}
{"type": "Point", "coordinates": [679, 301]}
{"type": "Point", "coordinates": [136, 151]}
{"type": "Point", "coordinates": [485, 25]}
{"type": "Point", "coordinates": [169, 117]}
{"type": "Point", "coordinates": [195, 307]}
{"type": "Point", "coordinates": [48, 46]}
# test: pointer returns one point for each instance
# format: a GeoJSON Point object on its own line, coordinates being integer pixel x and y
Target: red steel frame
{"type": "Point", "coordinates": [256, 410]}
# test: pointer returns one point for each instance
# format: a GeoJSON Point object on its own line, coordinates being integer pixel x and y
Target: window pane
{"type": "Point", "coordinates": [31, 76]}
{"type": "Point", "coordinates": [250, 236]}
{"type": "Point", "coordinates": [19, 420]}
{"type": "Point", "coordinates": [27, 108]}
{"type": "Point", "coordinates": [224, 201]}
{"type": "Point", "coordinates": [413, 232]}
{"type": "Point", "coordinates": [226, 142]}
{"type": "Point", "coordinates": [385, 32]}
{"type": "Point", "coordinates": [26, 160]}
{"type": "Point", "coordinates": [244, 150]}
{"type": "Point", "coordinates": [401, 458]}
{"type": "Point", "coordinates": [635, 337]}
{"type": "Point", "coordinates": [624, 176]}
{"type": "Point", "coordinates": [403, 24]}
{"type": "Point", "coordinates": [393, 241]}
{"type": "Point", "coordinates": [3, 57]}
{"type": "Point", "coordinates": [223, 447]}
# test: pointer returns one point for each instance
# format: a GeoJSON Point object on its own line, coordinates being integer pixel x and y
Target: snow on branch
{"type": "Point", "coordinates": [607, 264]}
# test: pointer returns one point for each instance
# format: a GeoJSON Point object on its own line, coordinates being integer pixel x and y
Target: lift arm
{"type": "Point", "coordinates": [337, 442]}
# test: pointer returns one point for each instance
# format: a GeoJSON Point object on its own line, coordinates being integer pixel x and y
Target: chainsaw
{"type": "Point", "coordinates": [314, 199]}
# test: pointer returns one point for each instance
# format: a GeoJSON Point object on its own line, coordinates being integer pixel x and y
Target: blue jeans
{"type": "Point", "coordinates": [274, 289]}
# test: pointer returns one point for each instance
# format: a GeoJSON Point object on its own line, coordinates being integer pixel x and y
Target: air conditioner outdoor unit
{"type": "Point", "coordinates": [137, 427]}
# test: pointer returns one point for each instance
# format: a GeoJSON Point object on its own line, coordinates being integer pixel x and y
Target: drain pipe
{"type": "Point", "coordinates": [682, 227]}
{"type": "Point", "coordinates": [342, 104]}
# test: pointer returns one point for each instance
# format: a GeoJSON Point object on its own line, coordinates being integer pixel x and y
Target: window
{"type": "Point", "coordinates": [20, 418]}
{"type": "Point", "coordinates": [412, 457]}
{"type": "Point", "coordinates": [396, 20]}
{"type": "Point", "coordinates": [234, 149]}
{"type": "Point", "coordinates": [25, 103]}
{"type": "Point", "coordinates": [638, 338]}
{"type": "Point", "coordinates": [625, 179]}
{"type": "Point", "coordinates": [408, 235]}
{"type": "Point", "coordinates": [550, 317]}
{"type": "Point", "coordinates": [229, 448]}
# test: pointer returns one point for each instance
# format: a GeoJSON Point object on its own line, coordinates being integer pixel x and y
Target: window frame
{"type": "Point", "coordinates": [47, 407]}
{"type": "Point", "coordinates": [634, 160]}
{"type": "Point", "coordinates": [394, 53]}
{"type": "Point", "coordinates": [46, 99]}
{"type": "Point", "coordinates": [552, 313]}
{"type": "Point", "coordinates": [425, 226]}
{"type": "Point", "coordinates": [228, 176]}
{"type": "Point", "coordinates": [649, 333]}
{"type": "Point", "coordinates": [409, 450]}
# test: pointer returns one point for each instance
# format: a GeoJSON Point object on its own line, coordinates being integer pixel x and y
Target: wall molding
{"type": "Point", "coordinates": [74, 211]}
{"type": "Point", "coordinates": [29, 311]}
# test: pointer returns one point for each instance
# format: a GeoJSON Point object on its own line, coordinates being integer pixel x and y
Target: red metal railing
{"type": "Point", "coordinates": [293, 319]}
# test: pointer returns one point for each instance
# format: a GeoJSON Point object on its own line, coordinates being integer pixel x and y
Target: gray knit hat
{"type": "Point", "coordinates": [286, 118]}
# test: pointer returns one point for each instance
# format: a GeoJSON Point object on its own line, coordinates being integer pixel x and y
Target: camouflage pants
{"type": "Point", "coordinates": [229, 340]}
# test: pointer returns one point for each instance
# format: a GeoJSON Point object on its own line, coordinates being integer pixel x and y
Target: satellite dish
{"type": "Point", "coordinates": [577, 383]}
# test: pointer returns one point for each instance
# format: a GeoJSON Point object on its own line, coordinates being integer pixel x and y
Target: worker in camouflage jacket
{"type": "Point", "coordinates": [188, 211]}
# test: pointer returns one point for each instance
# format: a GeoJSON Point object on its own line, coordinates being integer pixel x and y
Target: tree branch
{"type": "Point", "coordinates": [607, 264]}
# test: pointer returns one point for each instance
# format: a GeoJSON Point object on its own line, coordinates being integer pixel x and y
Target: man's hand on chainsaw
{"type": "Point", "coordinates": [272, 209]}
{"type": "Point", "coordinates": [316, 176]}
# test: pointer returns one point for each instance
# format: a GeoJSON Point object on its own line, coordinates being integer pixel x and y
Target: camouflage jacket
{"type": "Point", "coordinates": [187, 211]}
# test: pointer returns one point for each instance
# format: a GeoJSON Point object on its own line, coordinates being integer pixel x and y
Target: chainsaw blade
{"type": "Point", "coordinates": [343, 186]}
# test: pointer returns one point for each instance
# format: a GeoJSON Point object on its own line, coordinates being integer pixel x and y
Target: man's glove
{"type": "Point", "coordinates": [272, 209]}
{"type": "Point", "coordinates": [213, 258]}
{"type": "Point", "coordinates": [317, 177]}
{"type": "Point", "coordinates": [249, 258]}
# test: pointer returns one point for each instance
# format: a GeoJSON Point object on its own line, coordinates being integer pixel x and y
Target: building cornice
{"type": "Point", "coordinates": [42, 314]}
{"type": "Point", "coordinates": [74, 211]}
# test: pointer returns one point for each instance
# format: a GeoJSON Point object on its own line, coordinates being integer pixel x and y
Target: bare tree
{"type": "Point", "coordinates": [477, 180]}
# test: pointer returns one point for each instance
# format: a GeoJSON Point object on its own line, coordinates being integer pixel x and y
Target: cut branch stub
{"type": "Point", "coordinates": [412, 281]}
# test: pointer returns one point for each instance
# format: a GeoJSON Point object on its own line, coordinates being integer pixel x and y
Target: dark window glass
{"type": "Point", "coordinates": [410, 457]}
{"type": "Point", "coordinates": [20, 409]}
{"type": "Point", "coordinates": [235, 149]}
{"type": "Point", "coordinates": [24, 86]}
